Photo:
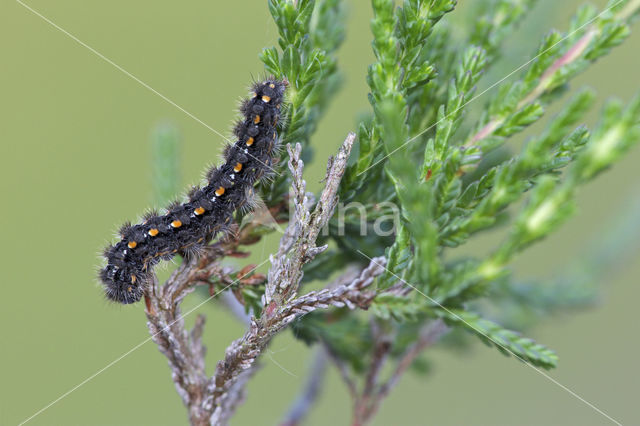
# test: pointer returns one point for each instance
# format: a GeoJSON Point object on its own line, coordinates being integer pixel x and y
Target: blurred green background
{"type": "Point", "coordinates": [75, 164]}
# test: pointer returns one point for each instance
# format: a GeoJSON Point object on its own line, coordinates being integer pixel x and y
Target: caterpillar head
{"type": "Point", "coordinates": [122, 285]}
{"type": "Point", "coordinates": [270, 91]}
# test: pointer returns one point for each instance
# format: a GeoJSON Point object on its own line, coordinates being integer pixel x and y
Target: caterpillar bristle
{"type": "Point", "coordinates": [150, 214]}
{"type": "Point", "coordinates": [251, 201]}
{"type": "Point", "coordinates": [173, 205]}
{"type": "Point", "coordinates": [186, 227]}
{"type": "Point", "coordinates": [125, 228]}
{"type": "Point", "coordinates": [192, 192]}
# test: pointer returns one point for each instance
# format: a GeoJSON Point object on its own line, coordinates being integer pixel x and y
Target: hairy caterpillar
{"type": "Point", "coordinates": [188, 226]}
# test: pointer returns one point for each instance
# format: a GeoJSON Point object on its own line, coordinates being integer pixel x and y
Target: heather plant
{"type": "Point", "coordinates": [373, 299]}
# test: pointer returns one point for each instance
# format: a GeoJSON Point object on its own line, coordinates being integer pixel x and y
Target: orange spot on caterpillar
{"type": "Point", "coordinates": [129, 289]}
{"type": "Point", "coordinates": [176, 223]}
{"type": "Point", "coordinates": [219, 191]}
{"type": "Point", "coordinates": [153, 232]}
{"type": "Point", "coordinates": [254, 94]}
{"type": "Point", "coordinates": [273, 86]}
{"type": "Point", "coordinates": [266, 98]}
{"type": "Point", "coordinates": [132, 244]}
{"type": "Point", "coordinates": [133, 279]}
{"type": "Point", "coordinates": [256, 120]}
{"type": "Point", "coordinates": [199, 211]}
{"type": "Point", "coordinates": [250, 141]}
{"type": "Point", "coordinates": [238, 167]}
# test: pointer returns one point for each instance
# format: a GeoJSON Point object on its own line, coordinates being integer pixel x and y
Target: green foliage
{"type": "Point", "coordinates": [505, 184]}
{"type": "Point", "coordinates": [560, 57]}
{"type": "Point", "coordinates": [399, 308]}
{"type": "Point", "coordinates": [521, 304]}
{"type": "Point", "coordinates": [551, 201]}
{"type": "Point", "coordinates": [310, 33]}
{"type": "Point", "coordinates": [498, 19]}
{"type": "Point", "coordinates": [506, 341]}
{"type": "Point", "coordinates": [166, 164]}
{"type": "Point", "coordinates": [399, 258]}
{"type": "Point", "coordinates": [347, 336]}
{"type": "Point", "coordinates": [402, 67]}
{"type": "Point", "coordinates": [446, 161]}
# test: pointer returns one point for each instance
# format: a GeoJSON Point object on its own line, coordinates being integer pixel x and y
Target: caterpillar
{"type": "Point", "coordinates": [187, 227]}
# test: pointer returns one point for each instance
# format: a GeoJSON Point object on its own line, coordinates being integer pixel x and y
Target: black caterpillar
{"type": "Point", "coordinates": [189, 226]}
